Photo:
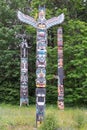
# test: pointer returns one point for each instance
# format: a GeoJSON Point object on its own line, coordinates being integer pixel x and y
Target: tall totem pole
{"type": "Point", "coordinates": [60, 68]}
{"type": "Point", "coordinates": [24, 73]}
{"type": "Point", "coordinates": [41, 25]}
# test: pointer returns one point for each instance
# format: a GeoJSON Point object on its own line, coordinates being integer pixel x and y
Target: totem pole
{"type": "Point", "coordinates": [41, 66]}
{"type": "Point", "coordinates": [60, 69]}
{"type": "Point", "coordinates": [24, 73]}
{"type": "Point", "coordinates": [41, 25]}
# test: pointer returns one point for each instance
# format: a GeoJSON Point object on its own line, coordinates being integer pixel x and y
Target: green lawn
{"type": "Point", "coordinates": [23, 118]}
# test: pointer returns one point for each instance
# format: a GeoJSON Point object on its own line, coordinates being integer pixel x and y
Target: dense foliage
{"type": "Point", "coordinates": [75, 50]}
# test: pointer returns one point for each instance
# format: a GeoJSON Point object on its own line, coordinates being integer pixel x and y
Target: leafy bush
{"type": "Point", "coordinates": [49, 123]}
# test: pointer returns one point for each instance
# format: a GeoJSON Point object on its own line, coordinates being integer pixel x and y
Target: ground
{"type": "Point", "coordinates": [23, 118]}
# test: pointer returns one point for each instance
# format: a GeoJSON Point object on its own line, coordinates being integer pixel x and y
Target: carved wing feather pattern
{"type": "Point", "coordinates": [26, 19]}
{"type": "Point", "coordinates": [55, 20]}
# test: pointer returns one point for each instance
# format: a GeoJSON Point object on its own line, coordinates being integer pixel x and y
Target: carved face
{"type": "Point", "coordinates": [41, 82]}
{"type": "Point", "coordinates": [41, 62]}
{"type": "Point", "coordinates": [41, 26]}
{"type": "Point", "coordinates": [42, 14]}
{"type": "Point", "coordinates": [24, 77]}
{"type": "Point", "coordinates": [24, 92]}
{"type": "Point", "coordinates": [41, 45]}
{"type": "Point", "coordinates": [41, 72]}
{"type": "Point", "coordinates": [60, 63]}
{"type": "Point", "coordinates": [41, 58]}
{"type": "Point", "coordinates": [60, 31]}
{"type": "Point", "coordinates": [41, 33]}
{"type": "Point", "coordinates": [61, 104]}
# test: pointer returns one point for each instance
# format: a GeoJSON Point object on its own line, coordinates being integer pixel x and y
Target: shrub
{"type": "Point", "coordinates": [49, 123]}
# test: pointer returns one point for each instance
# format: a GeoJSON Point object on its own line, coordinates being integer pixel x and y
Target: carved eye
{"type": "Point", "coordinates": [41, 25]}
{"type": "Point", "coordinates": [40, 70]}
{"type": "Point", "coordinates": [44, 70]}
{"type": "Point", "coordinates": [41, 59]}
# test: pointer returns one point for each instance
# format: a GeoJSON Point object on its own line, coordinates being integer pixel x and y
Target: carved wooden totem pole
{"type": "Point", "coordinates": [41, 25]}
{"type": "Point", "coordinates": [24, 73]}
{"type": "Point", "coordinates": [60, 69]}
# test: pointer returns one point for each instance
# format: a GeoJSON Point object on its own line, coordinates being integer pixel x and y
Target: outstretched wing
{"type": "Point", "coordinates": [54, 21]}
{"type": "Point", "coordinates": [26, 19]}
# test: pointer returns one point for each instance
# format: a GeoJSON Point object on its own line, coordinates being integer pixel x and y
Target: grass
{"type": "Point", "coordinates": [23, 118]}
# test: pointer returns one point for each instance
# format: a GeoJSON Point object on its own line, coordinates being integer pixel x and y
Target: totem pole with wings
{"type": "Point", "coordinates": [41, 53]}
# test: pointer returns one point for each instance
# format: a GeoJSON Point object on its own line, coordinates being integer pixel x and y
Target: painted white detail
{"type": "Point", "coordinates": [26, 19]}
{"type": "Point", "coordinates": [54, 21]}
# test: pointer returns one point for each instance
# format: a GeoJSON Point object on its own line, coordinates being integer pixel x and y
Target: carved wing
{"type": "Point", "coordinates": [27, 19]}
{"type": "Point", "coordinates": [54, 21]}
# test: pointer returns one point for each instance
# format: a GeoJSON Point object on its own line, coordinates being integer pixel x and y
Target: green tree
{"type": "Point", "coordinates": [75, 68]}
